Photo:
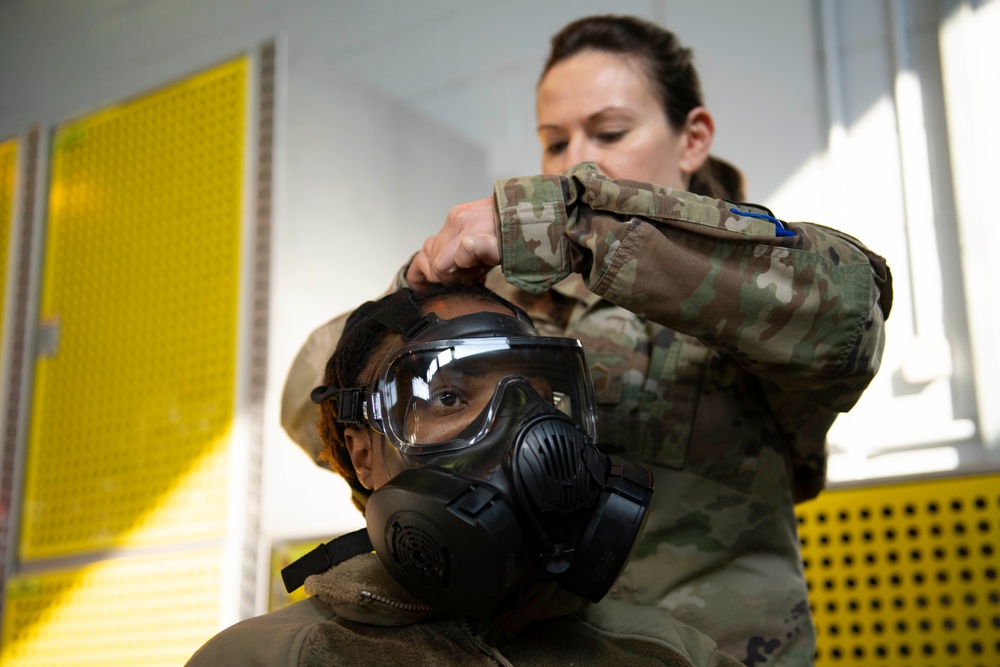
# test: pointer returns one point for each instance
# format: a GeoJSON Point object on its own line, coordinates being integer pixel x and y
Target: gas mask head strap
{"type": "Point", "coordinates": [350, 402]}
{"type": "Point", "coordinates": [398, 313]}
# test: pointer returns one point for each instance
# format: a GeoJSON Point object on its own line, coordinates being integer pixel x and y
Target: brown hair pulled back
{"type": "Point", "coordinates": [670, 69]}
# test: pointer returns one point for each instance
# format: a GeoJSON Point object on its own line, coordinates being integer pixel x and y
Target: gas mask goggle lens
{"type": "Point", "coordinates": [441, 396]}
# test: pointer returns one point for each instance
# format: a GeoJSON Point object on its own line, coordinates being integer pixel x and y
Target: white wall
{"type": "Point", "coordinates": [394, 110]}
{"type": "Point", "coordinates": [365, 181]}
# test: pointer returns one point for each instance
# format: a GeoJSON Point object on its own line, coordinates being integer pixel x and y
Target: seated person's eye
{"type": "Point", "coordinates": [445, 398]}
{"type": "Point", "coordinates": [439, 417]}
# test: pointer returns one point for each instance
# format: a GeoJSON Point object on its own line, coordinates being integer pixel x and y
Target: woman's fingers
{"type": "Point", "coordinates": [475, 251]}
{"type": "Point", "coordinates": [464, 250]}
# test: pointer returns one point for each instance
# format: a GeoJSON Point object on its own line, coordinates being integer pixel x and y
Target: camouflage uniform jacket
{"type": "Point", "coordinates": [358, 615]}
{"type": "Point", "coordinates": [722, 344]}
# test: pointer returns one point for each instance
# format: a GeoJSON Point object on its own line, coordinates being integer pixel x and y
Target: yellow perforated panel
{"type": "Point", "coordinates": [8, 169]}
{"type": "Point", "coordinates": [905, 574]}
{"type": "Point", "coordinates": [134, 388]}
{"type": "Point", "coordinates": [146, 611]}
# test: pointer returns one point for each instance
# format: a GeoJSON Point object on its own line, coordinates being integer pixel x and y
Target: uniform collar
{"type": "Point", "coordinates": [361, 590]}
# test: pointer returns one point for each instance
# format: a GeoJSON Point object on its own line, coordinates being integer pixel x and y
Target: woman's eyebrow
{"type": "Point", "coordinates": [596, 116]}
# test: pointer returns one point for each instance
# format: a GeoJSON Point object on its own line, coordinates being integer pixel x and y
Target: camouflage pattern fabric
{"type": "Point", "coordinates": [721, 352]}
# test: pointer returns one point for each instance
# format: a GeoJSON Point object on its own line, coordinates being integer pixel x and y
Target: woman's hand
{"type": "Point", "coordinates": [463, 251]}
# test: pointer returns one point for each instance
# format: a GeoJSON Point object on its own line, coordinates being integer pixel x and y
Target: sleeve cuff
{"type": "Point", "coordinates": [532, 218]}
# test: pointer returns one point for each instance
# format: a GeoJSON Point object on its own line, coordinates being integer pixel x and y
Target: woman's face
{"type": "Point", "coordinates": [600, 107]}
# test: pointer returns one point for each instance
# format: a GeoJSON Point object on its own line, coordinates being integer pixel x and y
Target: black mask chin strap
{"type": "Point", "coordinates": [325, 556]}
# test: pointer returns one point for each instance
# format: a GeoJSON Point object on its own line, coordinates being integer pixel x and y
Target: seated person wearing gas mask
{"type": "Point", "coordinates": [496, 523]}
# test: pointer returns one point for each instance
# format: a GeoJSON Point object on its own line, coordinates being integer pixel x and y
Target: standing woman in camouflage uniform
{"type": "Point", "coordinates": [723, 342]}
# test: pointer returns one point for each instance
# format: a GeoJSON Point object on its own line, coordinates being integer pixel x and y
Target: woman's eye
{"type": "Point", "coordinates": [555, 148]}
{"type": "Point", "coordinates": [446, 399]}
{"type": "Point", "coordinates": [610, 137]}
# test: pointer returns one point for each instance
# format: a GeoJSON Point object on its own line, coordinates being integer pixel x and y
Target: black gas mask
{"type": "Point", "coordinates": [488, 434]}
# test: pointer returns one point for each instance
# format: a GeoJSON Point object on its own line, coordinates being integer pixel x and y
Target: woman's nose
{"type": "Point", "coordinates": [577, 151]}
{"type": "Point", "coordinates": [583, 150]}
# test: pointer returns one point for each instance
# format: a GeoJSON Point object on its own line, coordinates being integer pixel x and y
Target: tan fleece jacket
{"type": "Point", "coordinates": [358, 615]}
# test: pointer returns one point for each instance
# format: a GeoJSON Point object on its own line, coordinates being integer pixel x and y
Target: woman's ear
{"type": "Point", "coordinates": [697, 135]}
{"type": "Point", "coordinates": [359, 445]}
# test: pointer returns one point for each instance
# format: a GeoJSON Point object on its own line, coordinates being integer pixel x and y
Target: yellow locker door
{"type": "Point", "coordinates": [135, 381]}
{"type": "Point", "coordinates": [133, 397]}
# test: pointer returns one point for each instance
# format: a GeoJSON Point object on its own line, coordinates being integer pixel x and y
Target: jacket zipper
{"type": "Point", "coordinates": [372, 597]}
{"type": "Point", "coordinates": [477, 639]}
